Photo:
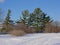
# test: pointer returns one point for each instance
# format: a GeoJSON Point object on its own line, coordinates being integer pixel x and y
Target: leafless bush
{"type": "Point", "coordinates": [24, 27]}
{"type": "Point", "coordinates": [52, 27]}
{"type": "Point", "coordinates": [17, 32]}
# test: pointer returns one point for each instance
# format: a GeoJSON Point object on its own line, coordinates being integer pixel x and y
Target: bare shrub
{"type": "Point", "coordinates": [25, 28]}
{"type": "Point", "coordinates": [17, 32]}
{"type": "Point", "coordinates": [30, 30]}
{"type": "Point", "coordinates": [52, 27]}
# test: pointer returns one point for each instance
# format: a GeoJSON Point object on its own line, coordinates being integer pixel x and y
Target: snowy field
{"type": "Point", "coordinates": [31, 39]}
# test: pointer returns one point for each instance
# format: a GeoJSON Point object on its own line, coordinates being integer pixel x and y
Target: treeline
{"type": "Point", "coordinates": [35, 22]}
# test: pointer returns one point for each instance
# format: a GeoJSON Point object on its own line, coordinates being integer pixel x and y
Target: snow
{"type": "Point", "coordinates": [31, 39]}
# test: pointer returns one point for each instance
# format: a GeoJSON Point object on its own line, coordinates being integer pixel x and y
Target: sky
{"type": "Point", "coordinates": [50, 7]}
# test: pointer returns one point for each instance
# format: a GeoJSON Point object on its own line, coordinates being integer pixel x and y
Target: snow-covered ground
{"type": "Point", "coordinates": [31, 39]}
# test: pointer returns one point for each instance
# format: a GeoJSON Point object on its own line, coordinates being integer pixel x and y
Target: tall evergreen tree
{"type": "Point", "coordinates": [38, 19]}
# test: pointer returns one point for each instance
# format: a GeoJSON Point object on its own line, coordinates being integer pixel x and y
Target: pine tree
{"type": "Point", "coordinates": [25, 16]}
{"type": "Point", "coordinates": [38, 19]}
{"type": "Point", "coordinates": [8, 21]}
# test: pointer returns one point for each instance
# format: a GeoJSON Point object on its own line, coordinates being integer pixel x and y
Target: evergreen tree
{"type": "Point", "coordinates": [25, 16]}
{"type": "Point", "coordinates": [38, 19]}
{"type": "Point", "coordinates": [8, 21]}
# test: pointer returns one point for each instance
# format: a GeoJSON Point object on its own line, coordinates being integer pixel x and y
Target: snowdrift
{"type": "Point", "coordinates": [31, 39]}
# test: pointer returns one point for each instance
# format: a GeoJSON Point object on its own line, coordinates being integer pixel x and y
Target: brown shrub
{"type": "Point", "coordinates": [30, 30]}
{"type": "Point", "coordinates": [52, 28]}
{"type": "Point", "coordinates": [25, 28]}
{"type": "Point", "coordinates": [17, 32]}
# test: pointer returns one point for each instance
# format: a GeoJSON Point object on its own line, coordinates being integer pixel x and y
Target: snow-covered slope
{"type": "Point", "coordinates": [31, 39]}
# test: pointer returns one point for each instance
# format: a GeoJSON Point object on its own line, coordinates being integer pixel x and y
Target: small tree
{"type": "Point", "coordinates": [25, 16]}
{"type": "Point", "coordinates": [8, 21]}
